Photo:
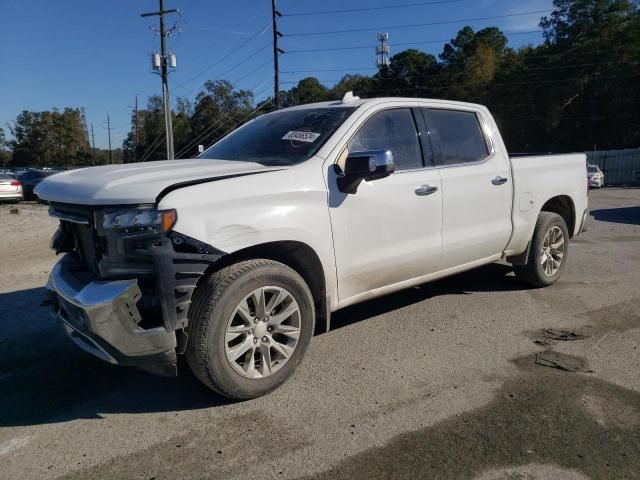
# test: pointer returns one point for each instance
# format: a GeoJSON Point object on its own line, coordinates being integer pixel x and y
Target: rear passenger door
{"type": "Point", "coordinates": [476, 186]}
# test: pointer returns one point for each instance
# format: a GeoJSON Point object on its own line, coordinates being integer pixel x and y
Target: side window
{"type": "Point", "coordinates": [393, 130]}
{"type": "Point", "coordinates": [459, 136]}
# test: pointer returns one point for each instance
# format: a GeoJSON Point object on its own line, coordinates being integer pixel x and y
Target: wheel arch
{"type": "Point", "coordinates": [296, 255]}
{"type": "Point", "coordinates": [564, 206]}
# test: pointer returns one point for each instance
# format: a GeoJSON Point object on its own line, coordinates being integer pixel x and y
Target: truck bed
{"type": "Point", "coordinates": [538, 177]}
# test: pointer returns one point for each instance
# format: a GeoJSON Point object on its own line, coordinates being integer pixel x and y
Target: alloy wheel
{"type": "Point", "coordinates": [263, 332]}
{"type": "Point", "coordinates": [552, 252]}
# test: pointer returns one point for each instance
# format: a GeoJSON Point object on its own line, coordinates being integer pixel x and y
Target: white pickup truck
{"type": "Point", "coordinates": [233, 258]}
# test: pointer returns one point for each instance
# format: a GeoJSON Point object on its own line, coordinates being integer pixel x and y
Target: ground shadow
{"type": "Point", "coordinates": [45, 378]}
{"type": "Point", "coordinates": [626, 215]}
{"type": "Point", "coordinates": [543, 416]}
{"type": "Point", "coordinates": [494, 277]}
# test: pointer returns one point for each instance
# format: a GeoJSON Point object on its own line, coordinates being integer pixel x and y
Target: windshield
{"type": "Point", "coordinates": [592, 169]}
{"type": "Point", "coordinates": [281, 138]}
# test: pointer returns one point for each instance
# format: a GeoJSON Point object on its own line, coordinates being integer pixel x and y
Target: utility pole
{"type": "Point", "coordinates": [164, 73]}
{"type": "Point", "coordinates": [135, 152]}
{"type": "Point", "coordinates": [109, 133]}
{"type": "Point", "coordinates": [275, 14]}
{"type": "Point", "coordinates": [93, 144]}
{"type": "Point", "coordinates": [382, 51]}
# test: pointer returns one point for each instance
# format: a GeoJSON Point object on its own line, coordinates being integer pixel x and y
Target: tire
{"type": "Point", "coordinates": [533, 273]}
{"type": "Point", "coordinates": [216, 309]}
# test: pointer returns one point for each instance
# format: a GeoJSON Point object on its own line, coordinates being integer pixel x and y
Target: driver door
{"type": "Point", "coordinates": [389, 231]}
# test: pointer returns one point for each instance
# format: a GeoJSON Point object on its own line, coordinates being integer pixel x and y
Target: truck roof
{"type": "Point", "coordinates": [357, 102]}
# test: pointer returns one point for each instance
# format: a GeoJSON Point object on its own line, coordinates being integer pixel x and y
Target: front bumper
{"type": "Point", "coordinates": [597, 182]}
{"type": "Point", "coordinates": [102, 318]}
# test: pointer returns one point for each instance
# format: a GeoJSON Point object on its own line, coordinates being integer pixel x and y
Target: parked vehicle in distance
{"type": "Point", "coordinates": [30, 179]}
{"type": "Point", "coordinates": [234, 257]}
{"type": "Point", "coordinates": [10, 189]}
{"type": "Point", "coordinates": [595, 176]}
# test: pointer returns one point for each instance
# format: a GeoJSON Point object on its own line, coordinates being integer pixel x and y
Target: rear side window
{"type": "Point", "coordinates": [393, 130]}
{"type": "Point", "coordinates": [459, 136]}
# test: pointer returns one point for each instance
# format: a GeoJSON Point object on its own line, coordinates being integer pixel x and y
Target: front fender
{"type": "Point", "coordinates": [238, 213]}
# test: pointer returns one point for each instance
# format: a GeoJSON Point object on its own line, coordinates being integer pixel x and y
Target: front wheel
{"type": "Point", "coordinates": [548, 253]}
{"type": "Point", "coordinates": [250, 325]}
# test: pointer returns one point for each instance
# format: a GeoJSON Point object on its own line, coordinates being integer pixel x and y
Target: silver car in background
{"type": "Point", "coordinates": [595, 176]}
{"type": "Point", "coordinates": [10, 188]}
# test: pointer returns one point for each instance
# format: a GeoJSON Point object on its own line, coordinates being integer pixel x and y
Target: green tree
{"type": "Point", "coordinates": [578, 88]}
{"type": "Point", "coordinates": [409, 73]}
{"type": "Point", "coordinates": [309, 90]}
{"type": "Point", "coordinates": [5, 153]}
{"type": "Point", "coordinates": [50, 138]}
{"type": "Point", "coordinates": [358, 84]}
{"type": "Point", "coordinates": [470, 63]}
{"type": "Point", "coordinates": [218, 109]}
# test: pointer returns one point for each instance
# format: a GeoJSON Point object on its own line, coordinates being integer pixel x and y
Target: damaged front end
{"type": "Point", "coordinates": [124, 286]}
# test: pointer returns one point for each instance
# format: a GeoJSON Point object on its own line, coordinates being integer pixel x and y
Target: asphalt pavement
{"type": "Point", "coordinates": [447, 380]}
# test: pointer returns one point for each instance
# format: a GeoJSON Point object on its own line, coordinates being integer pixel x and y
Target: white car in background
{"type": "Point", "coordinates": [10, 188]}
{"type": "Point", "coordinates": [595, 176]}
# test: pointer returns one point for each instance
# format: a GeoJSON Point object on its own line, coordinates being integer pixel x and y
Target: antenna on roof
{"type": "Point", "coordinates": [349, 97]}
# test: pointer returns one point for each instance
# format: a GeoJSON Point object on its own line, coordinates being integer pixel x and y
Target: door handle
{"type": "Point", "coordinates": [424, 190]}
{"type": "Point", "coordinates": [499, 180]}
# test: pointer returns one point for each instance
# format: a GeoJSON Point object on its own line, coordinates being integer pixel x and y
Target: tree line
{"type": "Point", "coordinates": [578, 89]}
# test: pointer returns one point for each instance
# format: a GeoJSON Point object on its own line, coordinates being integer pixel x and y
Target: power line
{"type": "Point", "coordinates": [444, 87]}
{"type": "Point", "coordinates": [153, 147]}
{"type": "Point", "coordinates": [538, 82]}
{"type": "Point", "coordinates": [230, 69]}
{"type": "Point", "coordinates": [209, 129]}
{"type": "Point", "coordinates": [213, 126]}
{"type": "Point", "coordinates": [264, 104]}
{"type": "Point", "coordinates": [366, 9]}
{"type": "Point", "coordinates": [227, 55]}
{"type": "Point", "coordinates": [259, 67]}
{"type": "Point", "coordinates": [318, 70]}
{"type": "Point", "coordinates": [555, 67]}
{"type": "Point", "coordinates": [594, 118]}
{"type": "Point", "coordinates": [158, 140]}
{"type": "Point", "coordinates": [582, 102]}
{"type": "Point", "coordinates": [415, 25]}
{"type": "Point", "coordinates": [425, 42]}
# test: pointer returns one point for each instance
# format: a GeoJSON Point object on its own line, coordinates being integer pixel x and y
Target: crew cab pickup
{"type": "Point", "coordinates": [235, 257]}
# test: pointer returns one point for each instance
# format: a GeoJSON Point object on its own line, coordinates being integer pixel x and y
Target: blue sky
{"type": "Point", "coordinates": [94, 54]}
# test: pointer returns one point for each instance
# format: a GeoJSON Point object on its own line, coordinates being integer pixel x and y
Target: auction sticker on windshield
{"type": "Point", "coordinates": [308, 137]}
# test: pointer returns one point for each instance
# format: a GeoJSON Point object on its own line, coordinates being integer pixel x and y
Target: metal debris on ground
{"type": "Point", "coordinates": [563, 335]}
{"type": "Point", "coordinates": [14, 211]}
{"type": "Point", "coordinates": [568, 363]}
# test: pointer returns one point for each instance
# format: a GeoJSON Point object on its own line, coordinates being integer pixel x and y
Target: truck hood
{"type": "Point", "coordinates": [135, 183]}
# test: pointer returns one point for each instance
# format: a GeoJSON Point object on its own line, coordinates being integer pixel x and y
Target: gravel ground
{"type": "Point", "coordinates": [433, 382]}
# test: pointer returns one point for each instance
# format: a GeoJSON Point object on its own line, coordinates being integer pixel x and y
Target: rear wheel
{"type": "Point", "coordinates": [250, 326]}
{"type": "Point", "coordinates": [548, 253]}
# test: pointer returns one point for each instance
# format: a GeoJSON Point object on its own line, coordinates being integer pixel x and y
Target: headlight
{"type": "Point", "coordinates": [138, 219]}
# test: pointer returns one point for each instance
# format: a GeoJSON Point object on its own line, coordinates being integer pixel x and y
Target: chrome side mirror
{"type": "Point", "coordinates": [367, 165]}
